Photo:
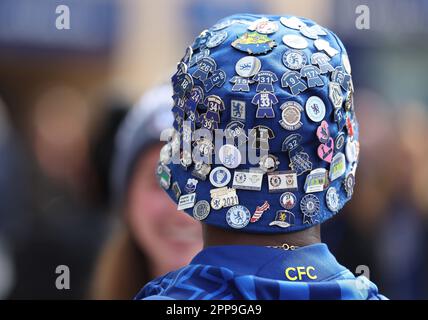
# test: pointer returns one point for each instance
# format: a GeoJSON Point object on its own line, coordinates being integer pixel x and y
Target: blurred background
{"type": "Point", "coordinates": [64, 94]}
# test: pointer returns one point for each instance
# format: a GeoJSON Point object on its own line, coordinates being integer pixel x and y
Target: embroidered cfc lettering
{"type": "Point", "coordinates": [297, 273]}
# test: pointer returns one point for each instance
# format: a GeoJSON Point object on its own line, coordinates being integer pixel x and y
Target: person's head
{"type": "Point", "coordinates": [169, 238]}
{"type": "Point", "coordinates": [154, 237]}
{"type": "Point", "coordinates": [277, 94]}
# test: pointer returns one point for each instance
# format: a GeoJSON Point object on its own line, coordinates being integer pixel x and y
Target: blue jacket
{"type": "Point", "coordinates": [259, 273]}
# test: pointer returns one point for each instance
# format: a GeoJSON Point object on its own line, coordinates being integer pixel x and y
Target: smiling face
{"type": "Point", "coordinates": [170, 238]}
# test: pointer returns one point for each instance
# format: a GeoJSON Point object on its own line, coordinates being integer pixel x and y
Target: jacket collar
{"type": "Point", "coordinates": [309, 263]}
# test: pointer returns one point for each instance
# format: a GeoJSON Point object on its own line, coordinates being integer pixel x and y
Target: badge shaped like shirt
{"type": "Point", "coordinates": [292, 79]}
{"type": "Point", "coordinates": [260, 136]}
{"type": "Point", "coordinates": [265, 80]}
{"type": "Point", "coordinates": [205, 67]}
{"type": "Point", "coordinates": [241, 84]}
{"type": "Point", "coordinates": [254, 43]}
{"type": "Point", "coordinates": [312, 74]}
{"type": "Point", "coordinates": [264, 101]}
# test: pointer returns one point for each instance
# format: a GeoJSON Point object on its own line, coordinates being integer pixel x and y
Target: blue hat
{"type": "Point", "coordinates": [280, 90]}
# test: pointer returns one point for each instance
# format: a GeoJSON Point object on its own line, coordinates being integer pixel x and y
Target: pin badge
{"type": "Point", "coordinates": [292, 22]}
{"type": "Point", "coordinates": [265, 80]}
{"type": "Point", "coordinates": [337, 166]}
{"type": "Point", "coordinates": [335, 94]}
{"type": "Point", "coordinates": [229, 156]}
{"type": "Point", "coordinates": [216, 39]}
{"type": "Point", "coordinates": [315, 108]}
{"type": "Point", "coordinates": [326, 150]}
{"type": "Point", "coordinates": [349, 184]}
{"type": "Point", "coordinates": [248, 66]}
{"type": "Point", "coordinates": [291, 115]}
{"type": "Point", "coordinates": [351, 150]}
{"type": "Point", "coordinates": [201, 40]}
{"type": "Point", "coordinates": [186, 201]}
{"type": "Point", "coordinates": [201, 210]}
{"type": "Point", "coordinates": [332, 199]}
{"type": "Point", "coordinates": [323, 132]}
{"type": "Point", "coordinates": [187, 56]}
{"type": "Point", "coordinates": [287, 200]}
{"type": "Point", "coordinates": [238, 217]}
{"type": "Point", "coordinates": [309, 32]}
{"type": "Point", "coordinates": [198, 57]}
{"type": "Point", "coordinates": [268, 163]}
{"type": "Point", "coordinates": [223, 197]}
{"type": "Point", "coordinates": [322, 60]}
{"type": "Point", "coordinates": [220, 177]}
{"type": "Point", "coordinates": [259, 212]}
{"type": "Point", "coordinates": [316, 180]}
{"type": "Point", "coordinates": [299, 160]}
{"type": "Point", "coordinates": [312, 74]}
{"type": "Point", "coordinates": [294, 59]}
{"type": "Point", "coordinates": [260, 136]}
{"type": "Point", "coordinates": [217, 79]}
{"type": "Point", "coordinates": [176, 189]}
{"type": "Point", "coordinates": [264, 101]}
{"type": "Point", "coordinates": [205, 67]}
{"type": "Point", "coordinates": [295, 41]}
{"type": "Point", "coordinates": [282, 181]}
{"type": "Point", "coordinates": [292, 79]}
{"type": "Point", "coordinates": [164, 176]}
{"type": "Point", "coordinates": [241, 84]}
{"type": "Point", "coordinates": [283, 219]}
{"type": "Point", "coordinates": [235, 131]}
{"type": "Point", "coordinates": [346, 64]}
{"type": "Point", "coordinates": [247, 180]}
{"type": "Point", "coordinates": [165, 154]}
{"type": "Point", "coordinates": [191, 185]}
{"type": "Point", "coordinates": [264, 26]}
{"type": "Point", "coordinates": [341, 77]}
{"type": "Point", "coordinates": [214, 106]}
{"type": "Point", "coordinates": [254, 43]}
{"type": "Point", "coordinates": [201, 170]}
{"type": "Point", "coordinates": [237, 110]}
{"type": "Point", "coordinates": [340, 141]}
{"type": "Point", "coordinates": [222, 25]}
{"type": "Point", "coordinates": [323, 45]}
{"type": "Point", "coordinates": [339, 118]}
{"type": "Point", "coordinates": [310, 206]}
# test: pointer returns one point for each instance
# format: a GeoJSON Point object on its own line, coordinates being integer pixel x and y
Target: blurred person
{"type": "Point", "coordinates": [262, 220]}
{"type": "Point", "coordinates": [151, 238]}
{"type": "Point", "coordinates": [385, 226]}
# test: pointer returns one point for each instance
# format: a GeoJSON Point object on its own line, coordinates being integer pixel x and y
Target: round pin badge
{"type": "Point", "coordinates": [238, 217]}
{"type": "Point", "coordinates": [201, 210]}
{"type": "Point", "coordinates": [287, 200]}
{"type": "Point", "coordinates": [295, 41]}
{"type": "Point", "coordinates": [222, 25]}
{"type": "Point", "coordinates": [332, 199]}
{"type": "Point", "coordinates": [229, 156]}
{"type": "Point", "coordinates": [248, 66]}
{"type": "Point", "coordinates": [340, 141]}
{"type": "Point", "coordinates": [349, 184]}
{"type": "Point", "coordinates": [264, 26]}
{"type": "Point", "coordinates": [292, 22]}
{"type": "Point", "coordinates": [310, 206]}
{"type": "Point", "coordinates": [291, 115]}
{"type": "Point", "coordinates": [294, 59]}
{"type": "Point", "coordinates": [216, 39]}
{"type": "Point", "coordinates": [315, 109]}
{"type": "Point", "coordinates": [220, 177]}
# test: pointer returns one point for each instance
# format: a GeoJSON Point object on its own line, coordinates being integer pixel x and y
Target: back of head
{"type": "Point", "coordinates": [265, 136]}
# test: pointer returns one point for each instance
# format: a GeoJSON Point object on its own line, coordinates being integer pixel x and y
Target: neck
{"type": "Point", "coordinates": [218, 237]}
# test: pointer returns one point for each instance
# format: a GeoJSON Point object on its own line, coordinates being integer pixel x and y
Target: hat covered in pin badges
{"type": "Point", "coordinates": [278, 92]}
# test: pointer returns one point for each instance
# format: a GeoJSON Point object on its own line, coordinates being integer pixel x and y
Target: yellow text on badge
{"type": "Point", "coordinates": [297, 273]}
